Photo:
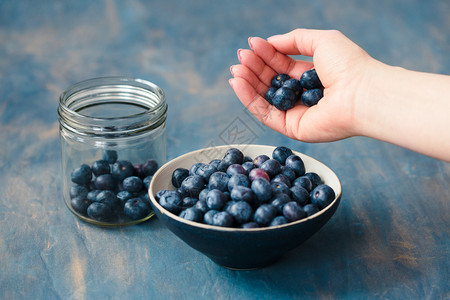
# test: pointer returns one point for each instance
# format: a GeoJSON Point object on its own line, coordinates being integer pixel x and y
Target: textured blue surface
{"type": "Point", "coordinates": [388, 239]}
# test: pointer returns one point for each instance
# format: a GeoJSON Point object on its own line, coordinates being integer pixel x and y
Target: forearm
{"type": "Point", "coordinates": [407, 108]}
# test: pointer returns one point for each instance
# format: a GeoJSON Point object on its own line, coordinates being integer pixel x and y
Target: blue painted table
{"type": "Point", "coordinates": [389, 238]}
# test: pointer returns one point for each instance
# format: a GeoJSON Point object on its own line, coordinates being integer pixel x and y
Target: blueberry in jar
{"type": "Point", "coordinates": [100, 211]}
{"type": "Point", "coordinates": [81, 175]}
{"type": "Point", "coordinates": [92, 195]}
{"type": "Point", "coordinates": [132, 184]}
{"type": "Point", "coordinates": [146, 181]}
{"type": "Point", "coordinates": [101, 167]}
{"type": "Point", "coordinates": [110, 156]}
{"type": "Point", "coordinates": [322, 196]}
{"type": "Point", "coordinates": [310, 80]}
{"type": "Point", "coordinates": [122, 169]}
{"type": "Point", "coordinates": [312, 97]}
{"type": "Point", "coordinates": [278, 80]}
{"type": "Point", "coordinates": [78, 191]}
{"type": "Point", "coordinates": [80, 204]}
{"type": "Point", "coordinates": [109, 198]}
{"type": "Point", "coordinates": [104, 182]}
{"type": "Point", "coordinates": [178, 176]}
{"type": "Point", "coordinates": [148, 168]}
{"type": "Point", "coordinates": [136, 208]}
{"type": "Point", "coordinates": [123, 197]}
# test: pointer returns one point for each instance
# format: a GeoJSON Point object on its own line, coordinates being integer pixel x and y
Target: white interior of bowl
{"type": "Point", "coordinates": [162, 178]}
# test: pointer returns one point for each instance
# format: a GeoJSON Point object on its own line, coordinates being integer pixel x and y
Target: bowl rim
{"type": "Point", "coordinates": [163, 211]}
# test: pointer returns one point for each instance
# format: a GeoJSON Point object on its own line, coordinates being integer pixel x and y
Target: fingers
{"type": "Point", "coordinates": [298, 41]}
{"type": "Point", "coordinates": [254, 63]}
{"type": "Point", "coordinates": [245, 73]}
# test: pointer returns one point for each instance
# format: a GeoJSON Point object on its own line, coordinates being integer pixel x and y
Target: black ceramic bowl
{"type": "Point", "coordinates": [238, 248]}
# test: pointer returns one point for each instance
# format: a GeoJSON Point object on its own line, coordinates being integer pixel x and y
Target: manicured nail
{"type": "Point", "coordinates": [250, 42]}
{"type": "Point", "coordinates": [230, 81]}
{"type": "Point", "coordinates": [231, 70]}
{"type": "Point", "coordinates": [239, 54]}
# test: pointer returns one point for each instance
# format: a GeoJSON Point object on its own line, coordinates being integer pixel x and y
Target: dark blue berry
{"type": "Point", "coordinates": [236, 169]}
{"type": "Point", "coordinates": [215, 163]}
{"type": "Point", "coordinates": [202, 206]}
{"type": "Point", "coordinates": [148, 168]}
{"type": "Point", "coordinates": [242, 193]}
{"type": "Point", "coordinates": [223, 219]}
{"type": "Point", "coordinates": [322, 196]}
{"type": "Point", "coordinates": [293, 211]}
{"type": "Point", "coordinates": [100, 167]}
{"type": "Point", "coordinates": [247, 159]}
{"type": "Point", "coordinates": [288, 172]}
{"type": "Point", "coordinates": [81, 175]}
{"type": "Point", "coordinates": [110, 156]}
{"type": "Point", "coordinates": [203, 194]}
{"type": "Point", "coordinates": [194, 168]}
{"type": "Point", "coordinates": [132, 184]}
{"type": "Point", "coordinates": [260, 159]}
{"type": "Point", "coordinates": [146, 181]}
{"type": "Point", "coordinates": [145, 197]}
{"type": "Point", "coordinates": [278, 80]}
{"type": "Point", "coordinates": [296, 164]}
{"type": "Point", "coordinates": [136, 208]}
{"type": "Point", "coordinates": [250, 225]}
{"type": "Point", "coordinates": [281, 153]}
{"type": "Point", "coordinates": [304, 182]}
{"type": "Point", "coordinates": [92, 195]}
{"type": "Point", "coordinates": [205, 171]}
{"type": "Point", "coordinates": [124, 196]}
{"type": "Point", "coordinates": [160, 193]}
{"type": "Point", "coordinates": [279, 200]}
{"type": "Point", "coordinates": [219, 181]}
{"type": "Point", "coordinates": [178, 176]}
{"type": "Point", "coordinates": [80, 204]}
{"type": "Point", "coordinates": [192, 214]}
{"type": "Point", "coordinates": [192, 186]}
{"type": "Point", "coordinates": [104, 182]}
{"type": "Point", "coordinates": [315, 179]}
{"type": "Point", "coordinates": [100, 211]}
{"type": "Point", "coordinates": [238, 179]}
{"type": "Point", "coordinates": [312, 97]}
{"type": "Point", "coordinates": [283, 179]}
{"type": "Point", "coordinates": [293, 84]}
{"type": "Point", "coordinates": [262, 189]}
{"type": "Point", "coordinates": [264, 214]}
{"type": "Point", "coordinates": [233, 156]}
{"type": "Point", "coordinates": [248, 166]}
{"type": "Point", "coordinates": [284, 99]}
{"type": "Point", "coordinates": [272, 167]}
{"type": "Point", "coordinates": [300, 195]}
{"type": "Point", "coordinates": [188, 202]}
{"type": "Point", "coordinates": [279, 220]}
{"type": "Point", "coordinates": [280, 187]}
{"type": "Point", "coordinates": [122, 169]}
{"type": "Point", "coordinates": [310, 209]}
{"type": "Point", "coordinates": [171, 200]}
{"type": "Point", "coordinates": [241, 212]}
{"type": "Point", "coordinates": [216, 199]}
{"type": "Point", "coordinates": [78, 191]}
{"type": "Point", "coordinates": [270, 93]}
{"type": "Point", "coordinates": [208, 217]}
{"type": "Point", "coordinates": [310, 80]}
{"type": "Point", "coordinates": [109, 198]}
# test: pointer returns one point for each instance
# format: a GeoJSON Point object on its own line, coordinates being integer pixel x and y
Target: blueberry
{"type": "Point", "coordinates": [136, 208]}
{"type": "Point", "coordinates": [258, 173]}
{"type": "Point", "coordinates": [208, 217]}
{"type": "Point", "coordinates": [188, 202]}
{"type": "Point", "coordinates": [238, 179]}
{"type": "Point", "coordinates": [260, 159]}
{"type": "Point", "coordinates": [146, 181]}
{"type": "Point", "coordinates": [104, 182]}
{"type": "Point", "coordinates": [293, 84]}
{"type": "Point", "coordinates": [279, 200]}
{"type": "Point", "coordinates": [270, 93]}
{"type": "Point", "coordinates": [110, 156]}
{"type": "Point", "coordinates": [248, 166]}
{"type": "Point", "coordinates": [262, 189]}
{"type": "Point", "coordinates": [223, 219]}
{"type": "Point", "coordinates": [312, 97]}
{"type": "Point", "coordinates": [315, 179]}
{"type": "Point", "coordinates": [242, 193]}
{"type": "Point", "coordinates": [300, 195]}
{"type": "Point", "coordinates": [272, 167]}
{"type": "Point", "coordinates": [123, 197]}
{"type": "Point", "coordinates": [283, 179]}
{"type": "Point", "coordinates": [278, 80]}
{"type": "Point", "coordinates": [233, 156]}
{"type": "Point", "coordinates": [203, 194]}
{"type": "Point", "coordinates": [178, 176]}
{"type": "Point", "coordinates": [304, 182]}
{"type": "Point", "coordinates": [216, 199]}
{"type": "Point", "coordinates": [293, 211]}
{"type": "Point", "coordinates": [280, 187]}
{"type": "Point", "coordinates": [192, 186]}
{"type": "Point", "coordinates": [215, 163]}
{"type": "Point", "coordinates": [148, 168]}
{"type": "Point", "coordinates": [80, 204]}
{"type": "Point", "coordinates": [132, 184]}
{"type": "Point", "coordinates": [137, 170]}
{"type": "Point", "coordinates": [250, 225]}
{"type": "Point", "coordinates": [247, 159]}
{"type": "Point", "coordinates": [322, 196]}
{"type": "Point", "coordinates": [284, 99]}
{"type": "Point", "coordinates": [160, 193]}
{"type": "Point", "coordinates": [265, 214]}
{"type": "Point", "coordinates": [281, 153]}
{"type": "Point", "coordinates": [171, 201]}
{"type": "Point", "coordinates": [228, 205]}
{"type": "Point", "coordinates": [92, 195]}
{"type": "Point", "coordinates": [109, 198]}
{"type": "Point", "coordinates": [310, 80]}
{"type": "Point", "coordinates": [310, 209]}
{"type": "Point", "coordinates": [81, 175]}
{"type": "Point", "coordinates": [100, 167]}
{"type": "Point", "coordinates": [288, 172]}
{"type": "Point", "coordinates": [194, 168]}
{"type": "Point", "coordinates": [241, 212]}
{"type": "Point", "coordinates": [279, 220]}
{"type": "Point", "coordinates": [145, 197]}
{"type": "Point", "coordinates": [236, 169]}
{"type": "Point", "coordinates": [205, 171]}
{"type": "Point", "coordinates": [122, 169]}
{"type": "Point", "coordinates": [100, 211]}
{"type": "Point", "coordinates": [296, 164]}
{"type": "Point", "coordinates": [219, 181]}
{"type": "Point", "coordinates": [202, 206]}
{"type": "Point", "coordinates": [192, 214]}
{"type": "Point", "coordinates": [78, 191]}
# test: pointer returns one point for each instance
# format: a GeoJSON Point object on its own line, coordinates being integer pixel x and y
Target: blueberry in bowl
{"type": "Point", "coordinates": [250, 226]}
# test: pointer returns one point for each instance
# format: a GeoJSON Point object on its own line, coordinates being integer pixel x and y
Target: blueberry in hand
{"type": "Point", "coordinates": [312, 97]}
{"type": "Point", "coordinates": [281, 153]}
{"type": "Point", "coordinates": [80, 204]}
{"type": "Point", "coordinates": [101, 167]}
{"type": "Point", "coordinates": [219, 181]}
{"type": "Point", "coordinates": [293, 211]}
{"type": "Point", "coordinates": [100, 211]}
{"type": "Point", "coordinates": [310, 80]}
{"type": "Point", "coordinates": [264, 214]}
{"type": "Point", "coordinates": [132, 184]}
{"type": "Point", "coordinates": [171, 200]}
{"type": "Point", "coordinates": [269, 94]}
{"type": "Point", "coordinates": [293, 84]}
{"type": "Point", "coordinates": [262, 189]}
{"type": "Point", "coordinates": [122, 169]}
{"type": "Point", "coordinates": [296, 164]}
{"type": "Point", "coordinates": [223, 219]}
{"type": "Point", "coordinates": [110, 156]}
{"type": "Point", "coordinates": [241, 212]}
{"type": "Point", "coordinates": [136, 208]}
{"type": "Point", "coordinates": [81, 175]}
{"type": "Point", "coordinates": [284, 99]}
{"type": "Point", "coordinates": [192, 214]}
{"type": "Point", "coordinates": [238, 179]}
{"type": "Point", "coordinates": [216, 199]}
{"type": "Point", "coordinates": [322, 196]}
{"type": "Point", "coordinates": [104, 182]}
{"type": "Point", "coordinates": [279, 220]}
{"type": "Point", "coordinates": [178, 176]}
{"type": "Point", "coordinates": [272, 167]}
{"type": "Point", "coordinates": [278, 80]}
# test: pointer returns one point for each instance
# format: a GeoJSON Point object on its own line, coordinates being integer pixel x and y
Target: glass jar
{"type": "Point", "coordinates": [111, 129]}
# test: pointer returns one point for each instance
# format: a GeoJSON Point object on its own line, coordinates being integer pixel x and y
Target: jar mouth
{"type": "Point", "coordinates": [114, 106]}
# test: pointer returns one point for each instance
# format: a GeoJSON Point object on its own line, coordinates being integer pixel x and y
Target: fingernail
{"type": "Point", "coordinates": [250, 42]}
{"type": "Point", "coordinates": [273, 37]}
{"type": "Point", "coordinates": [230, 81]}
{"type": "Point", "coordinates": [239, 54]}
{"type": "Point", "coordinates": [231, 70]}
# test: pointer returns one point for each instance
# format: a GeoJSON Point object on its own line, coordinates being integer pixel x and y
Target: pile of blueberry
{"type": "Point", "coordinates": [112, 190]}
{"type": "Point", "coordinates": [238, 191]}
{"type": "Point", "coordinates": [285, 91]}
